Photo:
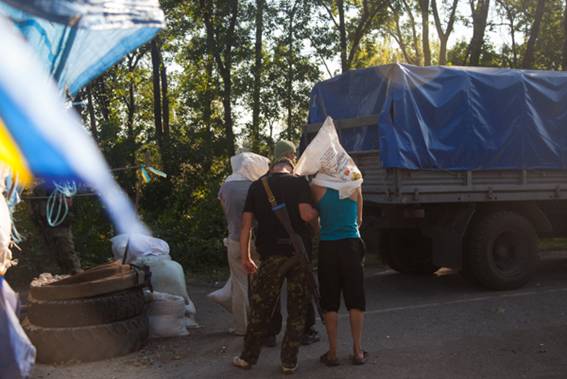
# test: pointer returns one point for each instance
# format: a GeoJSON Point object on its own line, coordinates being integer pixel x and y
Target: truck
{"type": "Point", "coordinates": [463, 167]}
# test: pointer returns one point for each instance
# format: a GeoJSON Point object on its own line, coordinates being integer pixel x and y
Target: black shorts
{"type": "Point", "coordinates": [340, 270]}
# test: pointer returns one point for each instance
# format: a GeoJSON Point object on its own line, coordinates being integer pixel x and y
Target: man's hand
{"type": "Point", "coordinates": [249, 266]}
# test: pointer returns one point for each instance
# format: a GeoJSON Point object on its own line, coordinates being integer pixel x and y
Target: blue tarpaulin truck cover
{"type": "Point", "coordinates": [451, 118]}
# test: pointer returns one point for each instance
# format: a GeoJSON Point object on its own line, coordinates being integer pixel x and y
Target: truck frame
{"type": "Point", "coordinates": [485, 223]}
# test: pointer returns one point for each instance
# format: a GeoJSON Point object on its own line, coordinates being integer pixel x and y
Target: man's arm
{"type": "Point", "coordinates": [307, 212]}
{"type": "Point", "coordinates": [246, 259]}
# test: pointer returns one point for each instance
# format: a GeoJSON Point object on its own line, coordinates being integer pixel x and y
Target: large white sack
{"type": "Point", "coordinates": [326, 157]}
{"type": "Point", "coordinates": [168, 277]}
{"type": "Point", "coordinates": [223, 296]}
{"type": "Point", "coordinates": [139, 245]}
{"type": "Point", "coordinates": [166, 315]}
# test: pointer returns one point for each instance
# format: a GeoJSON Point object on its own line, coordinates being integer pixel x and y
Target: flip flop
{"type": "Point", "coordinates": [357, 361]}
{"type": "Point", "coordinates": [328, 361]}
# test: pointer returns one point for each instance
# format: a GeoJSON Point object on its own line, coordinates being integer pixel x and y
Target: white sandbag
{"type": "Point", "coordinates": [167, 276]}
{"type": "Point", "coordinates": [223, 296]}
{"type": "Point", "coordinates": [139, 245]}
{"type": "Point", "coordinates": [334, 167]}
{"type": "Point", "coordinates": [166, 315]}
{"type": "Point", "coordinates": [17, 354]}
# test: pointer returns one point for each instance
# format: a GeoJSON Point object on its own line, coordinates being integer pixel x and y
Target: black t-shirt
{"type": "Point", "coordinates": [288, 189]}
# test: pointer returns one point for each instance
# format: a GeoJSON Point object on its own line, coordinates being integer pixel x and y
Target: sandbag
{"type": "Point", "coordinates": [166, 315]}
{"type": "Point", "coordinates": [168, 277]}
{"type": "Point", "coordinates": [326, 157]}
{"type": "Point", "coordinates": [17, 354]}
{"type": "Point", "coordinates": [139, 245]}
{"type": "Point", "coordinates": [223, 296]}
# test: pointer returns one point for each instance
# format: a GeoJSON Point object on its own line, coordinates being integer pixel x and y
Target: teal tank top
{"type": "Point", "coordinates": [339, 218]}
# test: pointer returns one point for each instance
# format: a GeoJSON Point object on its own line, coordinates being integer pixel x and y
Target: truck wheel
{"type": "Point", "coordinates": [501, 251]}
{"type": "Point", "coordinates": [409, 252]}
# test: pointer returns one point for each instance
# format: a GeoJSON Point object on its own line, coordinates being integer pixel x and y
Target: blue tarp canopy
{"type": "Point", "coordinates": [451, 118]}
{"type": "Point", "coordinates": [77, 40]}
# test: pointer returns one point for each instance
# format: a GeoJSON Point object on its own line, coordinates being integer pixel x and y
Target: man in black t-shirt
{"type": "Point", "coordinates": [274, 248]}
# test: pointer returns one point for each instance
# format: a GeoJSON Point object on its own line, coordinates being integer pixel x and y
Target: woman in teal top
{"type": "Point", "coordinates": [341, 255]}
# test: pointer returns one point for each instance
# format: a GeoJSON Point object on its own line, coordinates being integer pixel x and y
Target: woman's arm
{"type": "Point", "coordinates": [359, 203]}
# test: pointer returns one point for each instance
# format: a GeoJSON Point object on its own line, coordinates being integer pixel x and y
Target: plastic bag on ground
{"type": "Point", "coordinates": [326, 157]}
{"type": "Point", "coordinates": [166, 315]}
{"type": "Point", "coordinates": [17, 354]}
{"type": "Point", "coordinates": [139, 245]}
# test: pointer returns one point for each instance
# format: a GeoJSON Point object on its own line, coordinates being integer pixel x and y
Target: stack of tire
{"type": "Point", "coordinates": [94, 315]}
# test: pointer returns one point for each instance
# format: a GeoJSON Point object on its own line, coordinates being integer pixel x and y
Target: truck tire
{"type": "Point", "coordinates": [88, 343]}
{"type": "Point", "coordinates": [409, 252]}
{"type": "Point", "coordinates": [95, 284]}
{"type": "Point", "coordinates": [102, 309]}
{"type": "Point", "coordinates": [501, 250]}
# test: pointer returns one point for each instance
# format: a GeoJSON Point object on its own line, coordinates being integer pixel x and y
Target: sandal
{"type": "Point", "coordinates": [357, 361]}
{"type": "Point", "coordinates": [240, 363]}
{"type": "Point", "coordinates": [329, 362]}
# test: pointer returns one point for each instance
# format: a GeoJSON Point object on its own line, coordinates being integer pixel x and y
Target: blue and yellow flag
{"type": "Point", "coordinates": [39, 137]}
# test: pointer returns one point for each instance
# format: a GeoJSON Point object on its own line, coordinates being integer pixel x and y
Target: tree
{"type": "Point", "coordinates": [444, 34]}
{"type": "Point", "coordinates": [528, 60]}
{"type": "Point", "coordinates": [479, 10]}
{"type": "Point", "coordinates": [352, 31]}
{"type": "Point", "coordinates": [220, 19]}
{"type": "Point", "coordinates": [257, 75]}
{"type": "Point", "coordinates": [424, 7]}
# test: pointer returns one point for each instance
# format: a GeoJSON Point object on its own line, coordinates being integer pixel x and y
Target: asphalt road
{"type": "Point", "coordinates": [416, 327]}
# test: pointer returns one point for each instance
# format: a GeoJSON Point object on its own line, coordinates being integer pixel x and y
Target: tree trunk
{"type": "Point", "coordinates": [223, 61]}
{"type": "Point", "coordinates": [91, 112]}
{"type": "Point", "coordinates": [257, 76]}
{"type": "Point", "coordinates": [443, 34]}
{"type": "Point", "coordinates": [528, 61]}
{"type": "Point", "coordinates": [342, 34]}
{"type": "Point", "coordinates": [157, 91]}
{"type": "Point", "coordinates": [565, 38]}
{"type": "Point", "coordinates": [424, 6]}
{"type": "Point", "coordinates": [480, 16]}
{"type": "Point", "coordinates": [164, 98]}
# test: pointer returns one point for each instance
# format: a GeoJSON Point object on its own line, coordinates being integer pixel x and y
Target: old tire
{"type": "Point", "coordinates": [90, 284]}
{"type": "Point", "coordinates": [88, 343]}
{"type": "Point", "coordinates": [501, 250]}
{"type": "Point", "coordinates": [409, 252]}
{"type": "Point", "coordinates": [102, 309]}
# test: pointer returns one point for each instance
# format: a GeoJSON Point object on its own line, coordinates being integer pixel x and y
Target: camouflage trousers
{"type": "Point", "coordinates": [265, 296]}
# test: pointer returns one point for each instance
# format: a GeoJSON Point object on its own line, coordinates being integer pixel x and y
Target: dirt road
{"type": "Point", "coordinates": [416, 327]}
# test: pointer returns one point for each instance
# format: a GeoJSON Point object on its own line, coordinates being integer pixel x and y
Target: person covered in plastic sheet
{"type": "Point", "coordinates": [336, 189]}
{"type": "Point", "coordinates": [58, 239]}
{"type": "Point", "coordinates": [246, 167]}
{"type": "Point", "coordinates": [286, 150]}
{"type": "Point", "coordinates": [274, 253]}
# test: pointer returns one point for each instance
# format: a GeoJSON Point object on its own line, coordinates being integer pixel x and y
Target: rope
{"type": "Point", "coordinates": [57, 207]}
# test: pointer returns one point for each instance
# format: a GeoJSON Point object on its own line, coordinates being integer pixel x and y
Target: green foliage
{"type": "Point", "coordinates": [301, 44]}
